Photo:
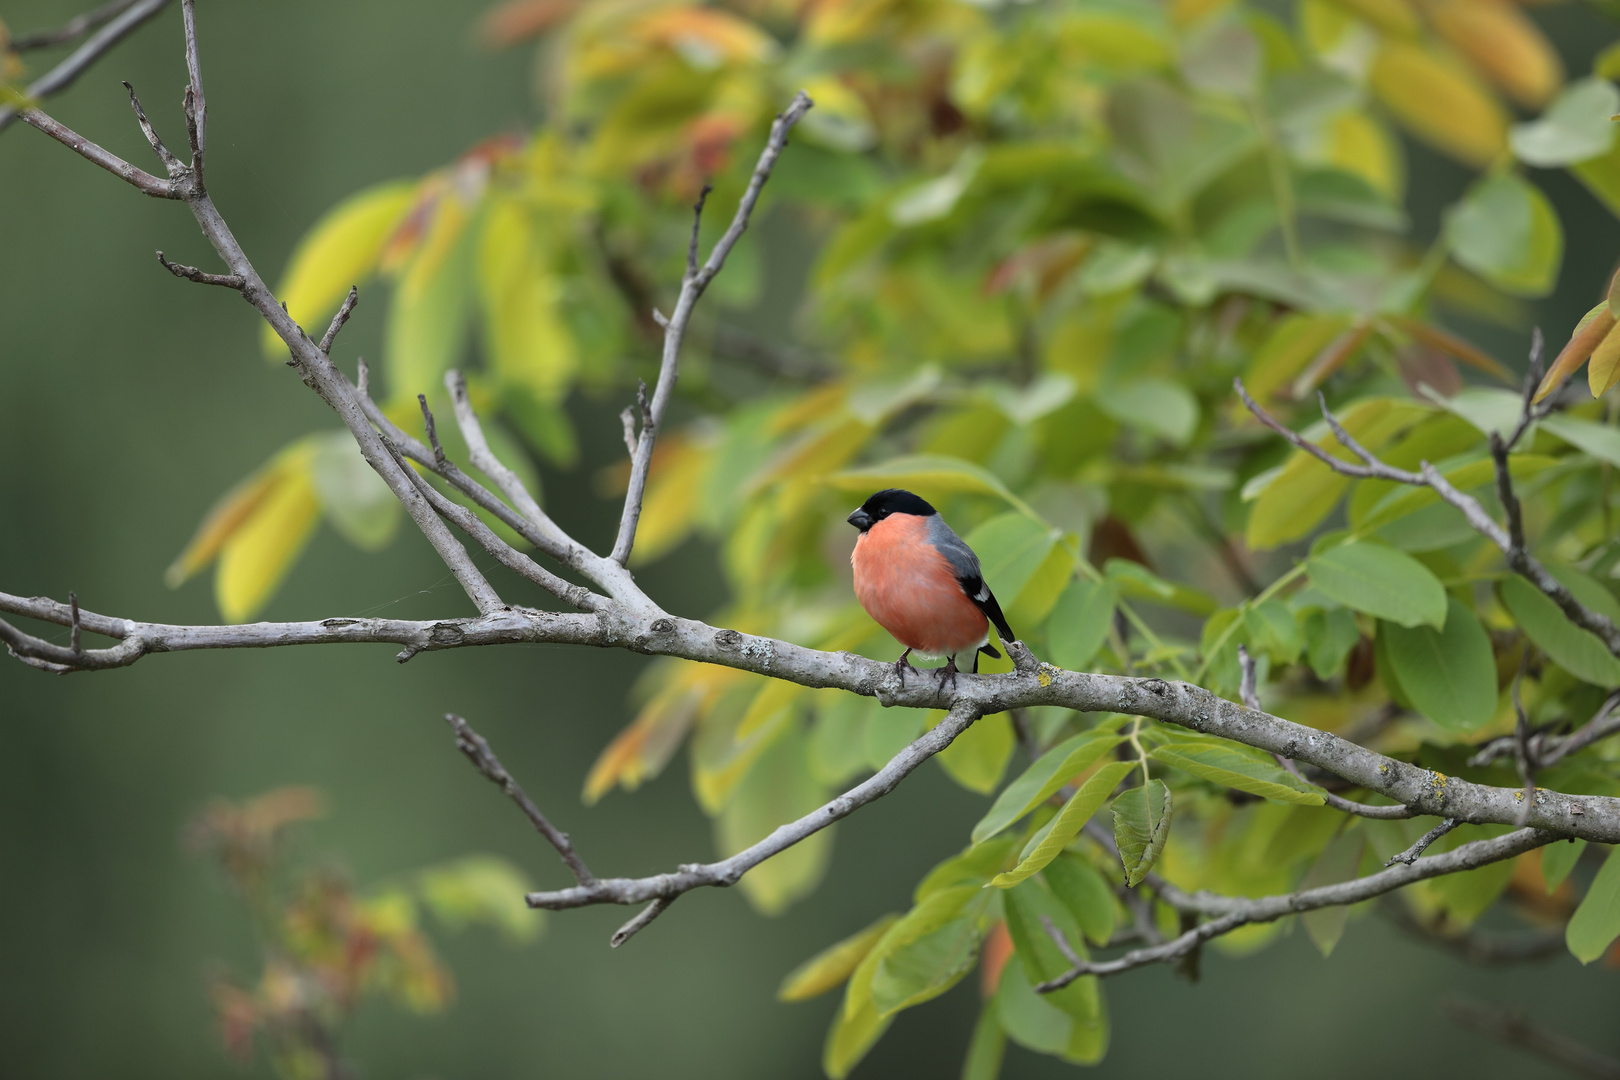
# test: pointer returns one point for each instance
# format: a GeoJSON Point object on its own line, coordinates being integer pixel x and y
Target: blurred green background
{"type": "Point", "coordinates": [129, 401]}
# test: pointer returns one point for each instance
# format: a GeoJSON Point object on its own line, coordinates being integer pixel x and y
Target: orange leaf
{"type": "Point", "coordinates": [1453, 346]}
{"type": "Point", "coordinates": [518, 21]}
{"type": "Point", "coordinates": [1505, 45]}
{"type": "Point", "coordinates": [1591, 332]}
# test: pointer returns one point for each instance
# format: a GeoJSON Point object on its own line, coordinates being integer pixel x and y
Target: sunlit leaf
{"type": "Point", "coordinates": [269, 539]}
{"type": "Point", "coordinates": [1056, 835]}
{"type": "Point", "coordinates": [1236, 766]}
{"type": "Point", "coordinates": [1593, 329]}
{"type": "Point", "coordinates": [1504, 44]}
{"type": "Point", "coordinates": [340, 251]}
{"type": "Point", "coordinates": [926, 474]}
{"type": "Point", "coordinates": [828, 969]}
{"type": "Point", "coordinates": [1440, 101]}
{"type": "Point", "coordinates": [1044, 776]}
{"type": "Point", "coordinates": [1011, 547]}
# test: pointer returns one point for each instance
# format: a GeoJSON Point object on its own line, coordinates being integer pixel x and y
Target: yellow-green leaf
{"type": "Point", "coordinates": [777, 790]}
{"type": "Point", "coordinates": [1239, 767]}
{"type": "Point", "coordinates": [482, 889]}
{"type": "Point", "coordinates": [341, 251]}
{"type": "Point", "coordinates": [977, 758]}
{"type": "Point", "coordinates": [831, 967]}
{"type": "Point", "coordinates": [1596, 922]}
{"type": "Point", "coordinates": [1045, 845]}
{"type": "Point", "coordinates": [1141, 827]}
{"type": "Point", "coordinates": [269, 540]}
{"type": "Point", "coordinates": [1049, 772]}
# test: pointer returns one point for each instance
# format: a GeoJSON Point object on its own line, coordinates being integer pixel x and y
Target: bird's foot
{"type": "Point", "coordinates": [947, 674]}
{"type": "Point", "coordinates": [903, 665]}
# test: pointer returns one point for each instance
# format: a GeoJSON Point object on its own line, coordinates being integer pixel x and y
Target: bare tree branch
{"type": "Point", "coordinates": [477, 750]}
{"type": "Point", "coordinates": [117, 28]}
{"type": "Point", "coordinates": [191, 273]}
{"type": "Point", "coordinates": [339, 319]}
{"type": "Point", "coordinates": [726, 872]}
{"type": "Point", "coordinates": [72, 30]}
{"type": "Point", "coordinates": [1242, 912]}
{"type": "Point", "coordinates": [692, 285]}
{"type": "Point", "coordinates": [1411, 854]}
{"type": "Point", "coordinates": [1518, 559]}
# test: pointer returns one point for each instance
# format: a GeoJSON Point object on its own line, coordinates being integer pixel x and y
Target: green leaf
{"type": "Point", "coordinates": [1597, 921]}
{"type": "Point", "coordinates": [1449, 674]}
{"type": "Point", "coordinates": [1141, 826]}
{"type": "Point", "coordinates": [779, 788]}
{"type": "Point", "coordinates": [1085, 892]}
{"type": "Point", "coordinates": [1329, 637]}
{"type": "Point", "coordinates": [1574, 128]}
{"type": "Point", "coordinates": [355, 499]}
{"type": "Point", "coordinates": [1272, 627]}
{"type": "Point", "coordinates": [987, 1047]}
{"type": "Point", "coordinates": [429, 317]}
{"type": "Point", "coordinates": [1558, 859]}
{"type": "Point", "coordinates": [1338, 862]}
{"type": "Point", "coordinates": [928, 915]}
{"type": "Point", "coordinates": [1588, 591]}
{"type": "Point", "coordinates": [850, 1037]}
{"type": "Point", "coordinates": [838, 747]}
{"type": "Point", "coordinates": [1028, 907]}
{"type": "Point", "coordinates": [926, 966]}
{"type": "Point", "coordinates": [482, 889]}
{"type": "Point", "coordinates": [1045, 845]}
{"type": "Point", "coordinates": [1505, 230]}
{"type": "Point", "coordinates": [1155, 406]}
{"type": "Point", "coordinates": [1235, 766]}
{"type": "Point", "coordinates": [1579, 652]}
{"type": "Point", "coordinates": [978, 757]}
{"type": "Point", "coordinates": [1132, 579]}
{"type": "Point", "coordinates": [340, 251]}
{"type": "Point", "coordinates": [831, 967]}
{"type": "Point", "coordinates": [1044, 776]}
{"type": "Point", "coordinates": [1379, 581]}
{"type": "Point", "coordinates": [1599, 440]}
{"type": "Point", "coordinates": [1011, 547]}
{"type": "Point", "coordinates": [1080, 623]}
{"type": "Point", "coordinates": [973, 866]}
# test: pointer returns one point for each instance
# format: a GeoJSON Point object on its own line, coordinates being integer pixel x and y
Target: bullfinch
{"type": "Point", "coordinates": [920, 582]}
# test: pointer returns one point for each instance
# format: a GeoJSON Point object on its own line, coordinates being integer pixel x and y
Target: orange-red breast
{"type": "Point", "coordinates": [920, 581]}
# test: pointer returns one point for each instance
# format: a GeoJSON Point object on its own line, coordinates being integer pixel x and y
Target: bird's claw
{"type": "Point", "coordinates": [947, 674]}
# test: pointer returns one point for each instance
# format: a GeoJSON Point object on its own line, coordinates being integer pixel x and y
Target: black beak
{"type": "Point", "coordinates": [861, 520]}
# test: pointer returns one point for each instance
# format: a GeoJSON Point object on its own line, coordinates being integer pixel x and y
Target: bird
{"type": "Point", "coordinates": [922, 583]}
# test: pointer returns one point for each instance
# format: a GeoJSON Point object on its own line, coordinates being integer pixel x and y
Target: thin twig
{"type": "Point", "coordinates": [696, 280]}
{"type": "Point", "coordinates": [439, 458]}
{"type": "Point", "coordinates": [1413, 853]}
{"type": "Point", "coordinates": [76, 642]}
{"type": "Point", "coordinates": [339, 319]}
{"type": "Point", "coordinates": [171, 164]}
{"type": "Point", "coordinates": [1518, 559]}
{"type": "Point", "coordinates": [72, 30]}
{"type": "Point", "coordinates": [1061, 941]}
{"type": "Point", "coordinates": [728, 871]}
{"type": "Point", "coordinates": [1242, 912]}
{"type": "Point", "coordinates": [61, 76]}
{"type": "Point", "coordinates": [191, 273]}
{"type": "Point", "coordinates": [477, 750]}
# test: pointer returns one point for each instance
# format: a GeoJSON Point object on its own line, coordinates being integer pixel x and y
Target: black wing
{"type": "Point", "coordinates": [966, 564]}
{"type": "Point", "coordinates": [978, 592]}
